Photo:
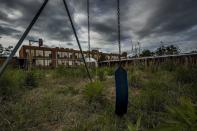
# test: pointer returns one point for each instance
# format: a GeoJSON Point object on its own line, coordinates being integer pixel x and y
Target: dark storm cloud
{"type": "Point", "coordinates": [171, 16]}
{"type": "Point", "coordinates": [8, 31]}
{"type": "Point", "coordinates": [53, 21]}
{"type": "Point", "coordinates": [140, 19]}
{"type": "Point", "coordinates": [70, 44]}
{"type": "Point", "coordinates": [3, 15]}
{"type": "Point", "coordinates": [27, 7]}
{"type": "Point", "coordinates": [103, 18]}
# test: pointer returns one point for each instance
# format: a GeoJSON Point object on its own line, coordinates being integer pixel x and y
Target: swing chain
{"type": "Point", "coordinates": [88, 13]}
{"type": "Point", "coordinates": [77, 39]}
{"type": "Point", "coordinates": [118, 17]}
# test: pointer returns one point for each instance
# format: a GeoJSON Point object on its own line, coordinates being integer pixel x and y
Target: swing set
{"type": "Point", "coordinates": [121, 81]}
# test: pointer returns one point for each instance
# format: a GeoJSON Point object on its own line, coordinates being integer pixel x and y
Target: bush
{"type": "Point", "coordinates": [38, 107]}
{"type": "Point", "coordinates": [62, 71]}
{"type": "Point", "coordinates": [136, 127]}
{"type": "Point", "coordinates": [151, 101]}
{"type": "Point", "coordinates": [10, 82]}
{"type": "Point", "coordinates": [101, 74]}
{"type": "Point", "coordinates": [180, 118]}
{"type": "Point", "coordinates": [134, 78]}
{"type": "Point", "coordinates": [168, 66]}
{"type": "Point", "coordinates": [93, 91]}
{"type": "Point", "coordinates": [31, 79]}
{"type": "Point", "coordinates": [109, 71]}
{"type": "Point", "coordinates": [186, 75]}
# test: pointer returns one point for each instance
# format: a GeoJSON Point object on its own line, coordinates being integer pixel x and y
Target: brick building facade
{"type": "Point", "coordinates": [53, 57]}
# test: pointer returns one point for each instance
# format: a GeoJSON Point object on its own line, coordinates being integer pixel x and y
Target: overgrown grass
{"type": "Point", "coordinates": [11, 82]}
{"type": "Point", "coordinates": [93, 91]}
{"type": "Point", "coordinates": [66, 72]}
{"type": "Point", "coordinates": [63, 99]}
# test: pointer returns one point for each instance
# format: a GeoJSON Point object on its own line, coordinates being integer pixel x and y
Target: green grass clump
{"type": "Point", "coordinates": [186, 75]}
{"type": "Point", "coordinates": [101, 74]}
{"type": "Point", "coordinates": [11, 82]}
{"type": "Point", "coordinates": [109, 71]}
{"type": "Point", "coordinates": [135, 127]}
{"type": "Point", "coordinates": [181, 117]}
{"type": "Point", "coordinates": [134, 78]}
{"type": "Point", "coordinates": [168, 66]}
{"type": "Point", "coordinates": [93, 91]}
{"type": "Point", "coordinates": [62, 71]}
{"type": "Point", "coordinates": [62, 99]}
{"type": "Point", "coordinates": [31, 79]}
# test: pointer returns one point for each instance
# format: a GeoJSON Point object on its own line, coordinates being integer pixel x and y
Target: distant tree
{"type": "Point", "coordinates": [146, 53]}
{"type": "Point", "coordinates": [160, 51]}
{"type": "Point", "coordinates": [168, 50]}
{"type": "Point", "coordinates": [124, 54]}
{"type": "Point", "coordinates": [194, 51]}
{"type": "Point", "coordinates": [5, 51]}
{"type": "Point", "coordinates": [1, 50]}
{"type": "Point", "coordinates": [102, 57]}
{"type": "Point", "coordinates": [171, 50]}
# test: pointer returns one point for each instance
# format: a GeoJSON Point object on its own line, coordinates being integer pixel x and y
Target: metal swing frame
{"type": "Point", "coordinates": [3, 67]}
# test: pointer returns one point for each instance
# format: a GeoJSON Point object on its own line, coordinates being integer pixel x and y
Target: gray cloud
{"type": "Point", "coordinates": [148, 21]}
{"type": "Point", "coordinates": [70, 44]}
{"type": "Point", "coordinates": [8, 31]}
{"type": "Point", "coordinates": [171, 16]}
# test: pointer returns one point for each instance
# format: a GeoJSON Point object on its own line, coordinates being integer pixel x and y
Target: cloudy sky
{"type": "Point", "coordinates": [147, 21]}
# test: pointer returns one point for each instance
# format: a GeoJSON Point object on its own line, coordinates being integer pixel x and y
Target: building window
{"type": "Point", "coordinates": [39, 53]}
{"type": "Point", "coordinates": [70, 55]}
{"type": "Point", "coordinates": [39, 62]}
{"type": "Point", "coordinates": [48, 54]}
{"type": "Point", "coordinates": [76, 56]}
{"type": "Point", "coordinates": [65, 54]}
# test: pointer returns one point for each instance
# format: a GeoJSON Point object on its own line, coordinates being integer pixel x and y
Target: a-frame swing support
{"type": "Point", "coordinates": [3, 67]}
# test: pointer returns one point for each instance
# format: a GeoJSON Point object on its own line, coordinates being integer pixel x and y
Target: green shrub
{"type": "Point", "coordinates": [186, 75]}
{"type": "Point", "coordinates": [31, 79]}
{"type": "Point", "coordinates": [38, 107]}
{"type": "Point", "coordinates": [109, 71]}
{"type": "Point", "coordinates": [68, 90]}
{"type": "Point", "coordinates": [62, 71]}
{"type": "Point", "coordinates": [135, 127]}
{"type": "Point", "coordinates": [101, 74]}
{"type": "Point", "coordinates": [93, 91]}
{"type": "Point", "coordinates": [153, 69]}
{"type": "Point", "coordinates": [134, 78]}
{"type": "Point", "coordinates": [151, 101]}
{"type": "Point", "coordinates": [11, 82]}
{"type": "Point", "coordinates": [180, 118]}
{"type": "Point", "coordinates": [168, 66]}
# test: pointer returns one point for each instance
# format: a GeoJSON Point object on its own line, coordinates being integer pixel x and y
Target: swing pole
{"type": "Point", "coordinates": [3, 67]}
{"type": "Point", "coordinates": [75, 33]}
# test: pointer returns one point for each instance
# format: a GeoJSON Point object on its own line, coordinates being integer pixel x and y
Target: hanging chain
{"type": "Point", "coordinates": [118, 17]}
{"type": "Point", "coordinates": [88, 13]}
{"type": "Point", "coordinates": [76, 37]}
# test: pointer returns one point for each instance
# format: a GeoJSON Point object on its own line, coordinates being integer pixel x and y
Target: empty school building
{"type": "Point", "coordinates": [38, 56]}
